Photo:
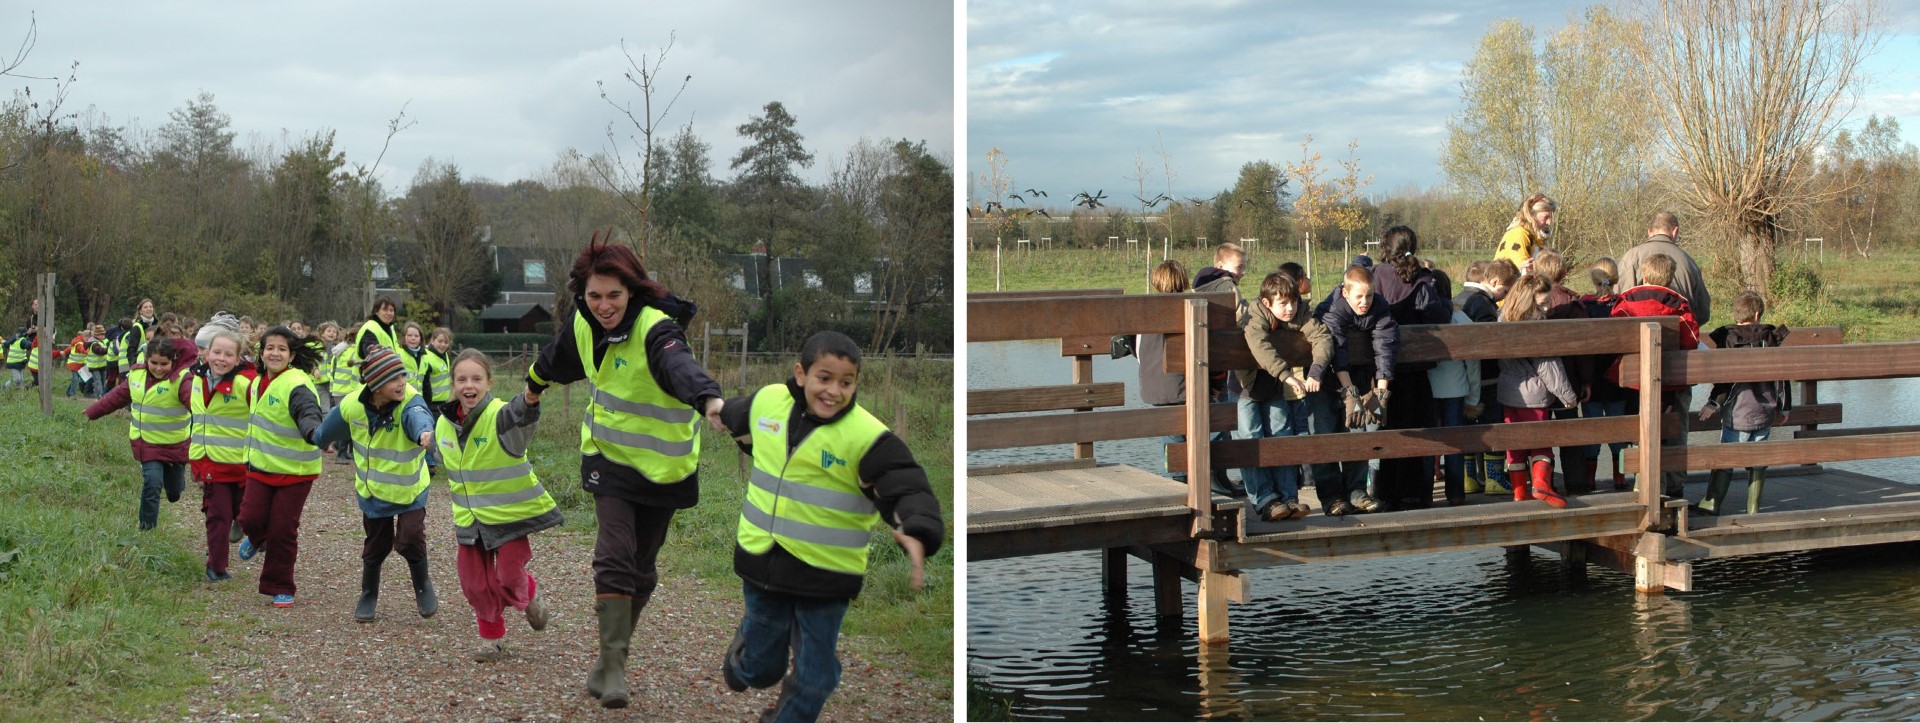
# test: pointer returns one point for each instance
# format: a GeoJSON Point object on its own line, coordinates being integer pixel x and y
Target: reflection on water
{"type": "Point", "coordinates": [1457, 636]}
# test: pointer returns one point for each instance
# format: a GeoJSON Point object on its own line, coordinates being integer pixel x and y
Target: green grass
{"type": "Point", "coordinates": [888, 617]}
{"type": "Point", "coordinates": [1874, 299]}
{"type": "Point", "coordinates": [90, 608]}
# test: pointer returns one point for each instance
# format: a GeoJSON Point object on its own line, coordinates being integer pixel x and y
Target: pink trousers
{"type": "Point", "coordinates": [494, 580]}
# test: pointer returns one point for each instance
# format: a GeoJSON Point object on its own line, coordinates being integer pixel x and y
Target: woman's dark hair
{"type": "Point", "coordinates": [381, 301]}
{"type": "Point", "coordinates": [304, 356]}
{"type": "Point", "coordinates": [1399, 245]}
{"type": "Point", "coordinates": [604, 257]}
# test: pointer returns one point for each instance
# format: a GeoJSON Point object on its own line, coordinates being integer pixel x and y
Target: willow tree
{"type": "Point", "coordinates": [1749, 90]}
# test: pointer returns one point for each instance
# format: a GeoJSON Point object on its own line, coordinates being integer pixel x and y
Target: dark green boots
{"type": "Point", "coordinates": [363, 611]}
{"type": "Point", "coordinates": [1717, 487]}
{"type": "Point", "coordinates": [423, 594]}
{"type": "Point", "coordinates": [607, 680]}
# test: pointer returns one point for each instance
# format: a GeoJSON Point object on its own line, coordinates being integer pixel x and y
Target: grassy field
{"type": "Point", "coordinates": [1873, 299]}
{"type": "Point", "coordinates": [92, 612]}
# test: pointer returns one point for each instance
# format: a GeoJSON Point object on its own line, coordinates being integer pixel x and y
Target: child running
{"type": "Point", "coordinates": [391, 432]}
{"type": "Point", "coordinates": [497, 502]}
{"type": "Point", "coordinates": [220, 389]}
{"type": "Point", "coordinates": [824, 471]}
{"type": "Point", "coordinates": [438, 370]}
{"type": "Point", "coordinates": [157, 429]}
{"type": "Point", "coordinates": [282, 461]}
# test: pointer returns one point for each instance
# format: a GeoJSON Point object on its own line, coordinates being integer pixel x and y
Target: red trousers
{"type": "Point", "coordinates": [494, 580]}
{"type": "Point", "coordinates": [1518, 458]}
{"type": "Point", "coordinates": [221, 503]}
{"type": "Point", "coordinates": [270, 515]}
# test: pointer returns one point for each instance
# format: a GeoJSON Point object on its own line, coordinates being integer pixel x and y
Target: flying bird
{"type": "Point", "coordinates": [1016, 197]}
{"type": "Point", "coordinates": [1090, 200]}
{"type": "Point", "coordinates": [1043, 212]}
{"type": "Point", "coordinates": [1032, 192]}
{"type": "Point", "coordinates": [1155, 201]}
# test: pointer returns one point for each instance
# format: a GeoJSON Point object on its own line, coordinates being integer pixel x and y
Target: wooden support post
{"type": "Point", "coordinates": [1218, 689]}
{"type": "Point", "coordinates": [1809, 395]}
{"type": "Point", "coordinates": [1573, 560]}
{"type": "Point", "coordinates": [48, 337]}
{"type": "Point", "coordinates": [1517, 555]}
{"type": "Point", "coordinates": [1167, 600]}
{"type": "Point", "coordinates": [1083, 374]}
{"type": "Point", "coordinates": [1650, 439]}
{"type": "Point", "coordinates": [1653, 577]}
{"type": "Point", "coordinates": [1217, 587]}
{"type": "Point", "coordinates": [1199, 442]}
{"type": "Point", "coordinates": [1113, 571]}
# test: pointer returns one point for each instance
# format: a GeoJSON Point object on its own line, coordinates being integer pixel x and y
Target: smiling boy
{"type": "Point", "coordinates": [824, 471]}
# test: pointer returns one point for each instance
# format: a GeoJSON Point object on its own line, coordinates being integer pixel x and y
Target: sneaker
{"type": "Point", "coordinates": [1298, 510]}
{"type": "Point", "coordinates": [235, 534]}
{"type": "Point", "coordinates": [283, 601]}
{"type": "Point", "coordinates": [247, 549]}
{"type": "Point", "coordinates": [1364, 503]}
{"type": "Point", "coordinates": [491, 651]}
{"type": "Point", "coordinates": [1339, 508]}
{"type": "Point", "coordinates": [1275, 511]}
{"type": "Point", "coordinates": [217, 576]}
{"type": "Point", "coordinates": [537, 613]}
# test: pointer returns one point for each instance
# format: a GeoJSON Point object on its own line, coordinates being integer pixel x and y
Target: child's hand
{"type": "Point", "coordinates": [532, 396]}
{"type": "Point", "coordinates": [1473, 411]}
{"type": "Point", "coordinates": [713, 406]}
{"type": "Point", "coordinates": [426, 440]}
{"type": "Point", "coordinates": [1708, 411]}
{"type": "Point", "coordinates": [917, 554]}
{"type": "Point", "coordinates": [1312, 385]}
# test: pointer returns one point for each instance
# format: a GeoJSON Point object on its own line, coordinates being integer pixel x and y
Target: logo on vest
{"type": "Point", "coordinates": [619, 362]}
{"type": "Point", "coordinates": [479, 441]}
{"type": "Point", "coordinates": [272, 400]}
{"type": "Point", "coordinates": [827, 460]}
{"type": "Point", "coordinates": [768, 425]}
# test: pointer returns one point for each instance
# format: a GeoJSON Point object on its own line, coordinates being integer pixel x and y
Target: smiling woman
{"type": "Point", "coordinates": [639, 453]}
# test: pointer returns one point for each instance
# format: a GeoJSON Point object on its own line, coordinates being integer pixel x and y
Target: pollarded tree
{"type": "Point", "coordinates": [770, 179]}
{"type": "Point", "coordinates": [1749, 90]}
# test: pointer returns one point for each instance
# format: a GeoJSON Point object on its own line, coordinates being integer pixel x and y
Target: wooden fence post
{"type": "Point", "coordinates": [47, 340]}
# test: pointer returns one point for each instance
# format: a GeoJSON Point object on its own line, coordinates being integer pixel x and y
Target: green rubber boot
{"type": "Point", "coordinates": [1716, 496]}
{"type": "Point", "coordinates": [1756, 479]}
{"type": "Point", "coordinates": [607, 680]}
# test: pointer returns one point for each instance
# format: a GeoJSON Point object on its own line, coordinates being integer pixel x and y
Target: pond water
{"type": "Point", "coordinates": [1456, 636]}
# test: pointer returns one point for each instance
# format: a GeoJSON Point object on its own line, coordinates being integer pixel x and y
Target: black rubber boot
{"type": "Point", "coordinates": [423, 594]}
{"type": "Point", "coordinates": [607, 680]}
{"type": "Point", "coordinates": [1756, 479]}
{"type": "Point", "coordinates": [363, 611]}
{"type": "Point", "coordinates": [1573, 474]}
{"type": "Point", "coordinates": [1716, 498]}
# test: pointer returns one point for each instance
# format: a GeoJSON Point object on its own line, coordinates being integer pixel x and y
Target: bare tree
{"type": "Point", "coordinates": [644, 75]}
{"type": "Point", "coordinates": [1750, 90]}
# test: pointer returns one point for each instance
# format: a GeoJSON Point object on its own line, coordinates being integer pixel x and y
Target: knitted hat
{"type": "Point", "coordinates": [381, 366]}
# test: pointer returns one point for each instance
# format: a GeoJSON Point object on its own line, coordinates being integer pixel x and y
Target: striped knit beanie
{"type": "Point", "coordinates": [380, 367]}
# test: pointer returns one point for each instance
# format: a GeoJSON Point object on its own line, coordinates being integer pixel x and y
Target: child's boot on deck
{"type": "Point", "coordinates": [1476, 470]}
{"type": "Point", "coordinates": [1716, 497]}
{"type": "Point", "coordinates": [1756, 479]}
{"type": "Point", "coordinates": [1543, 483]}
{"type": "Point", "coordinates": [1517, 478]}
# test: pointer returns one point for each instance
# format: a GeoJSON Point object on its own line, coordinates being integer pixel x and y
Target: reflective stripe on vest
{"type": "Point", "coordinates": [439, 377]}
{"type": "Point", "coordinates": [386, 465]}
{"type": "Point", "coordinates": [810, 502]}
{"type": "Point", "coordinates": [489, 485]}
{"type": "Point", "coordinates": [220, 425]}
{"type": "Point", "coordinates": [274, 444]}
{"type": "Point", "coordinates": [158, 416]}
{"type": "Point", "coordinates": [631, 420]}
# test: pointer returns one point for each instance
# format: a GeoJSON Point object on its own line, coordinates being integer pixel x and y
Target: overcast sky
{"type": "Point", "coordinates": [1072, 91]}
{"type": "Point", "coordinates": [502, 88]}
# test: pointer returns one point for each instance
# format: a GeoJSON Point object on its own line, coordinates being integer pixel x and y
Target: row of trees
{"type": "Point", "coordinates": [187, 214]}
{"type": "Point", "coordinates": [1729, 112]}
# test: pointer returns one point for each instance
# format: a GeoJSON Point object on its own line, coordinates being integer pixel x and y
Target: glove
{"type": "Point", "coordinates": [1356, 409]}
{"type": "Point", "coordinates": [1378, 409]}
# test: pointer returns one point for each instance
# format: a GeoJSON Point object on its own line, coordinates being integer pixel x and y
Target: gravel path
{"type": "Point", "coordinates": [314, 662]}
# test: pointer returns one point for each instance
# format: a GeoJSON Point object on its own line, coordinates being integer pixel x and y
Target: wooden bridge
{"type": "Point", "coordinates": [1184, 532]}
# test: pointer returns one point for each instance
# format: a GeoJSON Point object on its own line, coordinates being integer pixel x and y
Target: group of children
{"type": "Point", "coordinates": [250, 414]}
{"type": "Point", "coordinates": [1307, 380]}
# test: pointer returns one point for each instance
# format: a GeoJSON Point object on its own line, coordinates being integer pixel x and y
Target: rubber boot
{"type": "Point", "coordinates": [1517, 478]}
{"type": "Point", "coordinates": [1756, 479]}
{"type": "Point", "coordinates": [1543, 484]}
{"type": "Point", "coordinates": [1716, 498]}
{"type": "Point", "coordinates": [1475, 471]}
{"type": "Point", "coordinates": [1574, 467]}
{"type": "Point", "coordinates": [1593, 471]}
{"type": "Point", "coordinates": [363, 611]}
{"type": "Point", "coordinates": [607, 680]}
{"type": "Point", "coordinates": [423, 594]}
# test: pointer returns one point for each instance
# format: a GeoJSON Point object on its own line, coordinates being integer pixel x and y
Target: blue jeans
{"type": "Point", "coordinates": [1333, 480]}
{"type": "Point", "coordinates": [1272, 418]}
{"type": "Point", "coordinates": [154, 476]}
{"type": "Point", "coordinates": [1593, 410]}
{"type": "Point", "coordinates": [1452, 413]}
{"type": "Point", "coordinates": [1729, 435]}
{"type": "Point", "coordinates": [811, 626]}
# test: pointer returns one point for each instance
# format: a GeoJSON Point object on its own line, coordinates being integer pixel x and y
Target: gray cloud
{"type": "Point", "coordinates": [503, 88]}
{"type": "Point", "coordinates": [1071, 92]}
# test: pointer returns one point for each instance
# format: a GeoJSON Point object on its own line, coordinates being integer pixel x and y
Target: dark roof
{"type": "Point", "coordinates": [510, 311]}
